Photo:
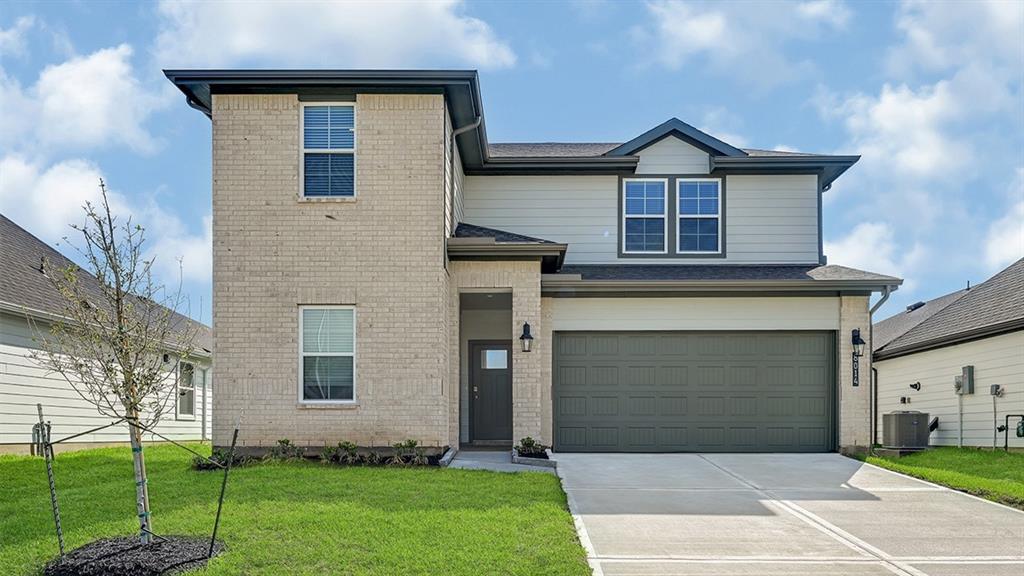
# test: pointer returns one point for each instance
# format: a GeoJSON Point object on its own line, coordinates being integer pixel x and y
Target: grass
{"type": "Point", "coordinates": [994, 475]}
{"type": "Point", "coordinates": [298, 518]}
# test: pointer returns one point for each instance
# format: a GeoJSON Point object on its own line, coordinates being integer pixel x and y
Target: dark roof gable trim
{"type": "Point", "coordinates": [683, 131]}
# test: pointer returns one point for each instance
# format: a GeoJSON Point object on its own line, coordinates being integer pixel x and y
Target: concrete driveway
{"type": "Point", "coordinates": [780, 514]}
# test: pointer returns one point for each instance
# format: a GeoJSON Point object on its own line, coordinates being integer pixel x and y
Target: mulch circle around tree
{"type": "Point", "coordinates": [125, 556]}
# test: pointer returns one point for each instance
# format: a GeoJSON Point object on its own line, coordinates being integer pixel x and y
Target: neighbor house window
{"type": "Point", "coordinates": [186, 391]}
{"type": "Point", "coordinates": [328, 150]}
{"type": "Point", "coordinates": [700, 227]}
{"type": "Point", "coordinates": [643, 216]}
{"type": "Point", "coordinates": [327, 345]}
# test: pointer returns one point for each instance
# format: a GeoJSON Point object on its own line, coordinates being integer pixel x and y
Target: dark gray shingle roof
{"type": "Point", "coordinates": [995, 302]}
{"type": "Point", "coordinates": [590, 150]}
{"type": "Point", "coordinates": [464, 230]}
{"type": "Point", "coordinates": [23, 284]}
{"type": "Point", "coordinates": [900, 323]}
{"type": "Point", "coordinates": [722, 272]}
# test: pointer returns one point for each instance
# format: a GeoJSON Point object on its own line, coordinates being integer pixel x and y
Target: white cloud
{"type": "Point", "coordinates": [353, 34]}
{"type": "Point", "coordinates": [46, 200]}
{"type": "Point", "coordinates": [91, 101]}
{"type": "Point", "coordinates": [1005, 241]}
{"type": "Point", "coordinates": [746, 41]}
{"type": "Point", "coordinates": [873, 246]}
{"type": "Point", "coordinates": [940, 36]}
{"type": "Point", "coordinates": [12, 40]}
{"type": "Point", "coordinates": [831, 12]}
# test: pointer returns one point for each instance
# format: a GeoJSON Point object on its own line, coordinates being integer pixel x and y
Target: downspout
{"type": "Point", "coordinates": [467, 127]}
{"type": "Point", "coordinates": [886, 291]}
{"type": "Point", "coordinates": [196, 106]}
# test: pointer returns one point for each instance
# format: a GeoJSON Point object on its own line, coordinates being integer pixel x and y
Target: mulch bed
{"type": "Point", "coordinates": [125, 556]}
{"type": "Point", "coordinates": [539, 455]}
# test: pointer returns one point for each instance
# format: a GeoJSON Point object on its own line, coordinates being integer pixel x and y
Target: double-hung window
{"type": "Point", "coordinates": [186, 391]}
{"type": "Point", "coordinates": [700, 209]}
{"type": "Point", "coordinates": [327, 350]}
{"type": "Point", "coordinates": [328, 150]}
{"type": "Point", "coordinates": [643, 216]}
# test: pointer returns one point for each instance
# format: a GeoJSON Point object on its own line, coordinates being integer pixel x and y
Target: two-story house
{"type": "Point", "coordinates": [382, 271]}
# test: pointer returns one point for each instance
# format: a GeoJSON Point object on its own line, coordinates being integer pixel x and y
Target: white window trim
{"type": "Point", "coordinates": [352, 353]}
{"type": "Point", "coordinates": [680, 215]}
{"type": "Point", "coordinates": [303, 150]}
{"type": "Point", "coordinates": [177, 393]}
{"type": "Point", "coordinates": [664, 216]}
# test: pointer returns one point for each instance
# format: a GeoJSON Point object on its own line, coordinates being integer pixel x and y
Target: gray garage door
{"type": "Point", "coordinates": [693, 391]}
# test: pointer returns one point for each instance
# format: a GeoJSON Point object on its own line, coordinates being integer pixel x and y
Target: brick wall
{"type": "Point", "coordinates": [529, 369]}
{"type": "Point", "coordinates": [854, 403]}
{"type": "Point", "coordinates": [381, 251]}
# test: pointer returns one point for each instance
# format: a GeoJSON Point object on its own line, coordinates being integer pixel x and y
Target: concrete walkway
{"type": "Point", "coordinates": [780, 514]}
{"type": "Point", "coordinates": [497, 461]}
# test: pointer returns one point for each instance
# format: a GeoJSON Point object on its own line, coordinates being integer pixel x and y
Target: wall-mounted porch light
{"type": "Point", "coordinates": [858, 343]}
{"type": "Point", "coordinates": [526, 340]}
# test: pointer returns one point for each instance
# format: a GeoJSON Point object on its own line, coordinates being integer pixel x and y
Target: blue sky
{"type": "Point", "coordinates": [929, 94]}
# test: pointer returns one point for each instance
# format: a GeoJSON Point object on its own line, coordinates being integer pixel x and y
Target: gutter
{"type": "Point", "coordinates": [873, 418]}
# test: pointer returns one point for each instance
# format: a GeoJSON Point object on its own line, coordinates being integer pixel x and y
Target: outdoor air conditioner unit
{"type": "Point", "coordinates": [905, 430]}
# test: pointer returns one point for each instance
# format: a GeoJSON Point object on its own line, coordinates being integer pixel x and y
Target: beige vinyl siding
{"type": "Point", "coordinates": [770, 219]}
{"type": "Point", "coordinates": [672, 156]}
{"type": "Point", "coordinates": [996, 360]}
{"type": "Point", "coordinates": [453, 180]}
{"type": "Point", "coordinates": [698, 313]}
{"type": "Point", "coordinates": [459, 184]}
{"type": "Point", "coordinates": [23, 384]}
{"type": "Point", "coordinates": [581, 211]}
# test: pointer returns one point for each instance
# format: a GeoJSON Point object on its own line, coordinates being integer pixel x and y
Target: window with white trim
{"type": "Point", "coordinates": [186, 391]}
{"type": "Point", "coordinates": [699, 210]}
{"type": "Point", "coordinates": [328, 150]}
{"type": "Point", "coordinates": [327, 350]}
{"type": "Point", "coordinates": [643, 216]}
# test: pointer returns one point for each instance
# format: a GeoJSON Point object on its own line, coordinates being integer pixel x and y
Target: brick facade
{"type": "Point", "coordinates": [382, 251]}
{"type": "Point", "coordinates": [854, 403]}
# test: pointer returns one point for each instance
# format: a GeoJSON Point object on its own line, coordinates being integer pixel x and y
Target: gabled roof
{"type": "Point", "coordinates": [682, 130]}
{"type": "Point", "coordinates": [461, 89]}
{"type": "Point", "coordinates": [993, 307]}
{"type": "Point", "coordinates": [900, 323]}
{"type": "Point", "coordinates": [24, 288]}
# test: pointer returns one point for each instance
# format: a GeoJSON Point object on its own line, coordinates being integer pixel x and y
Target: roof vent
{"type": "Point", "coordinates": [914, 306]}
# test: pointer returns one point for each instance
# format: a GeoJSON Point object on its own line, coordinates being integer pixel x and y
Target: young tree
{"type": "Point", "coordinates": [118, 339]}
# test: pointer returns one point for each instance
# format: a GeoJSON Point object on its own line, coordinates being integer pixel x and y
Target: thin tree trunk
{"type": "Point", "coordinates": [141, 484]}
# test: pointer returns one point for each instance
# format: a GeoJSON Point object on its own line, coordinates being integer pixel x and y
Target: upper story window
{"type": "Point", "coordinates": [327, 350]}
{"type": "Point", "coordinates": [699, 210]}
{"type": "Point", "coordinates": [328, 150]}
{"type": "Point", "coordinates": [643, 216]}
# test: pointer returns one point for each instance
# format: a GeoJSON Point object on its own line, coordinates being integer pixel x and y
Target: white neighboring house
{"type": "Point", "coordinates": [930, 343]}
{"type": "Point", "coordinates": [24, 292]}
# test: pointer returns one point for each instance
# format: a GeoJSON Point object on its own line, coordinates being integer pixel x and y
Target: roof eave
{"type": "Point", "coordinates": [949, 340]}
{"type": "Point", "coordinates": [830, 167]}
{"type": "Point", "coordinates": [507, 165]}
{"type": "Point", "coordinates": [573, 283]}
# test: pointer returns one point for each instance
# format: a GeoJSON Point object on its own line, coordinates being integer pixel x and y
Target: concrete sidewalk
{"type": "Point", "coordinates": [775, 514]}
{"type": "Point", "coordinates": [494, 460]}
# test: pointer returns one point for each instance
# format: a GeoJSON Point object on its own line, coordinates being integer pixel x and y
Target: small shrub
{"type": "Point", "coordinates": [373, 458]}
{"type": "Point", "coordinates": [220, 456]}
{"type": "Point", "coordinates": [343, 453]}
{"type": "Point", "coordinates": [285, 450]}
{"type": "Point", "coordinates": [530, 448]}
{"type": "Point", "coordinates": [408, 453]}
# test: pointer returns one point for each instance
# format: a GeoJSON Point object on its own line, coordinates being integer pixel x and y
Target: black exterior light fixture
{"type": "Point", "coordinates": [526, 340]}
{"type": "Point", "coordinates": [858, 344]}
{"type": "Point", "coordinates": [858, 351]}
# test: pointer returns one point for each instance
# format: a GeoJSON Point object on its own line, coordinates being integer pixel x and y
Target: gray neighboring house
{"type": "Point", "coordinates": [383, 271]}
{"type": "Point", "coordinates": [24, 293]}
{"type": "Point", "coordinates": [931, 342]}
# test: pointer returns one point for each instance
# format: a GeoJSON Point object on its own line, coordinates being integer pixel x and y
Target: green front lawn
{"type": "Point", "coordinates": [299, 518]}
{"type": "Point", "coordinates": [995, 475]}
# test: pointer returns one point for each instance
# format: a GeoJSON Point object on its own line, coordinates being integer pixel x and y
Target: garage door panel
{"type": "Point", "coordinates": [658, 392]}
